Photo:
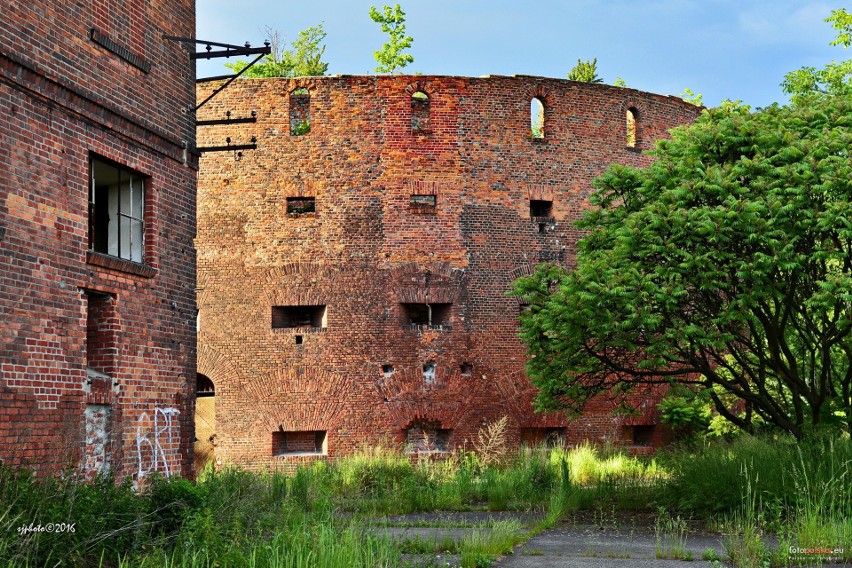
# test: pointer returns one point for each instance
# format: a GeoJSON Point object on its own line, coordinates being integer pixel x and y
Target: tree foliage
{"type": "Point", "coordinates": [727, 263]}
{"type": "Point", "coordinates": [585, 72]}
{"type": "Point", "coordinates": [391, 57]}
{"type": "Point", "coordinates": [303, 60]}
{"type": "Point", "coordinates": [834, 77]}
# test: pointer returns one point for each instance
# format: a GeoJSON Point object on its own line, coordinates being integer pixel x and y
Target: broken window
{"type": "Point", "coordinates": [631, 117]}
{"type": "Point", "coordinates": [426, 437]}
{"type": "Point", "coordinates": [301, 205]}
{"type": "Point", "coordinates": [305, 442]}
{"type": "Point", "coordinates": [116, 210]}
{"type": "Point", "coordinates": [433, 315]}
{"type": "Point", "coordinates": [429, 372]}
{"type": "Point", "coordinates": [300, 112]}
{"type": "Point", "coordinates": [298, 316]}
{"type": "Point", "coordinates": [419, 113]}
{"type": "Point", "coordinates": [537, 119]}
{"type": "Point", "coordinates": [541, 208]}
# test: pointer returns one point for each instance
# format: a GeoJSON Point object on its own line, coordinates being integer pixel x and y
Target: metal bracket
{"type": "Point", "coordinates": [228, 51]}
{"type": "Point", "coordinates": [228, 120]}
{"type": "Point", "coordinates": [236, 148]}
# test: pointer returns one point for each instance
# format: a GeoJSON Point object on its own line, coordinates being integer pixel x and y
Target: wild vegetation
{"type": "Point", "coordinates": [331, 513]}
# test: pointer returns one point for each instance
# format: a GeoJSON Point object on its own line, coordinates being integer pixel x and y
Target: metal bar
{"type": "Point", "coordinates": [226, 148]}
{"type": "Point", "coordinates": [231, 80]}
{"type": "Point", "coordinates": [226, 121]}
{"type": "Point", "coordinates": [216, 78]}
{"type": "Point", "coordinates": [231, 52]}
{"type": "Point", "coordinates": [202, 42]}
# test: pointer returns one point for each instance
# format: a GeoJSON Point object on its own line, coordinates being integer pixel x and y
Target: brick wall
{"type": "Point", "coordinates": [97, 353]}
{"type": "Point", "coordinates": [368, 254]}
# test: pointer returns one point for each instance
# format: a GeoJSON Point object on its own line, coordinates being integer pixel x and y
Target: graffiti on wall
{"type": "Point", "coordinates": [155, 437]}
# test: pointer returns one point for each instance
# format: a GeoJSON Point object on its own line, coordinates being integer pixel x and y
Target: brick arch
{"type": "Point", "coordinates": [538, 91]}
{"type": "Point", "coordinates": [419, 86]}
{"type": "Point", "coordinates": [298, 398]}
{"type": "Point", "coordinates": [219, 368]}
{"type": "Point", "coordinates": [280, 284]}
{"type": "Point", "coordinates": [308, 83]}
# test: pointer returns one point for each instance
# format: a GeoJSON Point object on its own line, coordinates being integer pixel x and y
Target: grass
{"type": "Point", "coordinates": [325, 514]}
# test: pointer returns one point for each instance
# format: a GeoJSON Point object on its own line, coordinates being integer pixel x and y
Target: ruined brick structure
{"type": "Point", "coordinates": [97, 220]}
{"type": "Point", "coordinates": [353, 268]}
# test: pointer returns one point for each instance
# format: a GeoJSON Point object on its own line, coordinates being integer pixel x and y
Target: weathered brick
{"type": "Point", "coordinates": [367, 250]}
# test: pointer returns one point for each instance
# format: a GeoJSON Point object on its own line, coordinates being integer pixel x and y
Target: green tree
{"type": "Point", "coordinates": [691, 97]}
{"type": "Point", "coordinates": [585, 71]}
{"type": "Point", "coordinates": [391, 57]}
{"type": "Point", "coordinates": [834, 77]}
{"type": "Point", "coordinates": [727, 264]}
{"type": "Point", "coordinates": [303, 60]}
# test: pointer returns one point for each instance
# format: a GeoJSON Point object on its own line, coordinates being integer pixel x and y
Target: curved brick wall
{"type": "Point", "coordinates": [367, 252]}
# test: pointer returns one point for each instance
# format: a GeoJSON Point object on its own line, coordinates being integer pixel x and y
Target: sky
{"type": "Point", "coordinates": [723, 49]}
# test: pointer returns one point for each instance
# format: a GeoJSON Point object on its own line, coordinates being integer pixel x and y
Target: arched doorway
{"type": "Point", "coordinates": [205, 422]}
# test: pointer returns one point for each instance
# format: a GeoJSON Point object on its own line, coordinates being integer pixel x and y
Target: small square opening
{"type": "Point", "coordinates": [432, 315]}
{"type": "Point", "coordinates": [466, 369]}
{"type": "Point", "coordinates": [541, 208]}
{"type": "Point", "coordinates": [298, 316]}
{"type": "Point", "coordinates": [305, 442]}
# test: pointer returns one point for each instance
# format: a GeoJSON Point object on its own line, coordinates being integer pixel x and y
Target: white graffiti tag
{"type": "Point", "coordinates": [150, 438]}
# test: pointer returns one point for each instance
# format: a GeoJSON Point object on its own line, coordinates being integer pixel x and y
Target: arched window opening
{"type": "Point", "coordinates": [537, 119]}
{"type": "Point", "coordinates": [631, 116]}
{"type": "Point", "coordinates": [420, 113]}
{"type": "Point", "coordinates": [204, 386]}
{"type": "Point", "coordinates": [300, 112]}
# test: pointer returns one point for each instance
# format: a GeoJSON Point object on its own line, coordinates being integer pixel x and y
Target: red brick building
{"type": "Point", "coordinates": [353, 268]}
{"type": "Point", "coordinates": [97, 220]}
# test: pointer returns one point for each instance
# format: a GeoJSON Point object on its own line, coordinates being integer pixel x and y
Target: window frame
{"type": "Point", "coordinates": [127, 205]}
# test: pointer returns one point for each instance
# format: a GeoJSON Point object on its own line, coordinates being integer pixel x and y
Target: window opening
{"type": "Point", "coordinates": [537, 119]}
{"type": "Point", "coordinates": [299, 316]}
{"type": "Point", "coordinates": [432, 315]}
{"type": "Point", "coordinates": [306, 442]}
{"type": "Point", "coordinates": [466, 369]}
{"type": "Point", "coordinates": [204, 386]}
{"type": "Point", "coordinates": [299, 340]}
{"type": "Point", "coordinates": [301, 205]}
{"type": "Point", "coordinates": [102, 328]}
{"type": "Point", "coordinates": [387, 370]}
{"type": "Point", "coordinates": [426, 437]}
{"type": "Point", "coordinates": [543, 437]}
{"type": "Point", "coordinates": [300, 112]}
{"type": "Point", "coordinates": [642, 435]}
{"type": "Point", "coordinates": [631, 117]}
{"type": "Point", "coordinates": [420, 113]}
{"type": "Point", "coordinates": [540, 208]}
{"type": "Point", "coordinates": [422, 203]}
{"type": "Point", "coordinates": [429, 372]}
{"type": "Point", "coordinates": [116, 211]}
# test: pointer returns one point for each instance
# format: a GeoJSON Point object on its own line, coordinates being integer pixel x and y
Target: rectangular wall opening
{"type": "Point", "coordinates": [543, 437]}
{"type": "Point", "coordinates": [301, 205]}
{"type": "Point", "coordinates": [284, 317]}
{"type": "Point", "coordinates": [304, 442]}
{"type": "Point", "coordinates": [427, 438]}
{"type": "Point", "coordinates": [435, 316]}
{"type": "Point", "coordinates": [540, 208]}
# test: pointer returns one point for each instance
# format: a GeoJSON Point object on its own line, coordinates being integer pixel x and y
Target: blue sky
{"type": "Point", "coordinates": [736, 49]}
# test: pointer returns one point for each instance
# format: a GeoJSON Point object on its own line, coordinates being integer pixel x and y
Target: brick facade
{"type": "Point", "coordinates": [97, 347]}
{"type": "Point", "coordinates": [424, 212]}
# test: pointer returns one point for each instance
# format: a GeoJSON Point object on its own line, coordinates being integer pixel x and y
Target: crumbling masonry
{"type": "Point", "coordinates": [353, 268]}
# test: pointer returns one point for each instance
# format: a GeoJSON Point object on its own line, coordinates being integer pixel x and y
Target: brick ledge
{"type": "Point", "coordinates": [120, 264]}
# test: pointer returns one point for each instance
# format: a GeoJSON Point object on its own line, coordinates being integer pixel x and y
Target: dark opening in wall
{"type": "Point", "coordinates": [298, 316]}
{"type": "Point", "coordinates": [429, 372]}
{"type": "Point", "coordinates": [638, 435]}
{"type": "Point", "coordinates": [543, 437]}
{"type": "Point", "coordinates": [431, 315]}
{"type": "Point", "coordinates": [204, 386]}
{"type": "Point", "coordinates": [305, 442]}
{"type": "Point", "coordinates": [541, 208]}
{"type": "Point", "coordinates": [299, 340]}
{"type": "Point", "coordinates": [420, 113]}
{"type": "Point", "coordinates": [300, 112]}
{"type": "Point", "coordinates": [301, 205]}
{"type": "Point", "coordinates": [427, 437]}
{"type": "Point", "coordinates": [466, 369]}
{"type": "Point", "coordinates": [387, 370]}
